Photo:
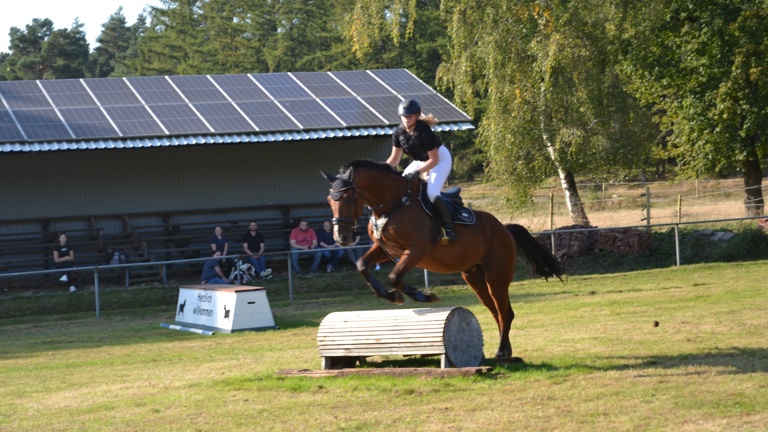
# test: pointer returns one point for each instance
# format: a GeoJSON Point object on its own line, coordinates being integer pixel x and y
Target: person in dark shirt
{"type": "Point", "coordinates": [219, 242]}
{"type": "Point", "coordinates": [330, 249]}
{"type": "Point", "coordinates": [253, 247]}
{"type": "Point", "coordinates": [212, 273]}
{"type": "Point", "coordinates": [64, 258]}
{"type": "Point", "coordinates": [431, 159]}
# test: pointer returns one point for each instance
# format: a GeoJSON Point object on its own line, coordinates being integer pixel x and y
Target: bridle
{"type": "Point", "coordinates": [336, 195]}
{"type": "Point", "coordinates": [341, 186]}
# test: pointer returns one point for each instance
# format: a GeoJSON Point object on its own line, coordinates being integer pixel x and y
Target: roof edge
{"type": "Point", "coordinates": [265, 137]}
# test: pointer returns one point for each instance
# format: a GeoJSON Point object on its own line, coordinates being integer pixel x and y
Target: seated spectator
{"type": "Point", "coordinates": [219, 242]}
{"type": "Point", "coordinates": [253, 247]}
{"type": "Point", "coordinates": [330, 249]}
{"type": "Point", "coordinates": [212, 273]}
{"type": "Point", "coordinates": [64, 258]}
{"type": "Point", "coordinates": [304, 241]}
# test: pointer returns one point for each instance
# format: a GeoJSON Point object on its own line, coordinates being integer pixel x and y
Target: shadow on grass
{"type": "Point", "coordinates": [734, 360]}
{"type": "Point", "coordinates": [725, 361]}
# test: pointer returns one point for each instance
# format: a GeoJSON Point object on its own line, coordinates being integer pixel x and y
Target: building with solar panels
{"type": "Point", "coordinates": [108, 155]}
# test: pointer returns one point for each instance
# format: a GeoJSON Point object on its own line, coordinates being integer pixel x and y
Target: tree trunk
{"type": "Point", "coordinates": [567, 182]}
{"type": "Point", "coordinates": [571, 192]}
{"type": "Point", "coordinates": [753, 180]}
{"type": "Point", "coordinates": [575, 206]}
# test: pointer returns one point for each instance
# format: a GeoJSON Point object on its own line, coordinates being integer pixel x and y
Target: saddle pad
{"type": "Point", "coordinates": [459, 214]}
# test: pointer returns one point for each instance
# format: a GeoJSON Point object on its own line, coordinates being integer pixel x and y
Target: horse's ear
{"type": "Point", "coordinates": [329, 177]}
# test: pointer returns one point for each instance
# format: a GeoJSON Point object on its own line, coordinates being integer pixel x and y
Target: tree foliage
{"type": "Point", "coordinates": [42, 52]}
{"type": "Point", "coordinates": [556, 104]}
{"type": "Point", "coordinates": [703, 65]}
{"type": "Point", "coordinates": [116, 45]}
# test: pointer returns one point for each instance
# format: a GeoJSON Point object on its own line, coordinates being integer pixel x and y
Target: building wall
{"type": "Point", "coordinates": [109, 183]}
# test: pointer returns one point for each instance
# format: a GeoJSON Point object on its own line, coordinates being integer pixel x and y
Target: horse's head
{"type": "Point", "coordinates": [363, 181]}
{"type": "Point", "coordinates": [345, 205]}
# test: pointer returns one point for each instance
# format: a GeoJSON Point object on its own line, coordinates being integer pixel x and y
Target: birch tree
{"type": "Point", "coordinates": [555, 102]}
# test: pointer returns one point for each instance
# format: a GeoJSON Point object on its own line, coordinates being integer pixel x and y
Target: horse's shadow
{"type": "Point", "coordinates": [730, 361]}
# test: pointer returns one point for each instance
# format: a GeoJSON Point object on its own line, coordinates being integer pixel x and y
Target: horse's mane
{"type": "Point", "coordinates": [365, 164]}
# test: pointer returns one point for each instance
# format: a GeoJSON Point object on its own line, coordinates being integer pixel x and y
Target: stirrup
{"type": "Point", "coordinates": [445, 237]}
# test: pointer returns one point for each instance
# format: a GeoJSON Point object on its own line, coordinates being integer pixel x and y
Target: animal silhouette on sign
{"type": "Point", "coordinates": [181, 308]}
{"type": "Point", "coordinates": [485, 252]}
{"type": "Point", "coordinates": [226, 312]}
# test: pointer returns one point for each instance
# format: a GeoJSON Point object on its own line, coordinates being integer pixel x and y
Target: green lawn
{"type": "Point", "coordinates": [594, 360]}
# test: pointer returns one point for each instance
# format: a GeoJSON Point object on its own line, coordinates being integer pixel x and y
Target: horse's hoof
{"type": "Point", "coordinates": [396, 297]}
{"type": "Point", "coordinates": [508, 360]}
{"type": "Point", "coordinates": [431, 297]}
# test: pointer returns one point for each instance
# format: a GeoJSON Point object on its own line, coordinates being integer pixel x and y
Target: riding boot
{"type": "Point", "coordinates": [445, 218]}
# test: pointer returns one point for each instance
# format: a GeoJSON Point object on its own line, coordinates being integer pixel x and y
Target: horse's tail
{"type": "Point", "coordinates": [540, 261]}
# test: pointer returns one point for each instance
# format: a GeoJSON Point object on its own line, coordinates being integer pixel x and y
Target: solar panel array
{"type": "Point", "coordinates": [121, 108]}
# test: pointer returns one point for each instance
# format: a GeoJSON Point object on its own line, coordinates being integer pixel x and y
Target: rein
{"type": "Point", "coordinates": [336, 195]}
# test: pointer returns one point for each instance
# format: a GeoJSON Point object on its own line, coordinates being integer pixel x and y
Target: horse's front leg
{"type": "Point", "coordinates": [377, 255]}
{"type": "Point", "coordinates": [408, 261]}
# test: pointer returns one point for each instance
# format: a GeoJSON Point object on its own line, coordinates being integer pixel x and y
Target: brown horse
{"type": "Point", "coordinates": [484, 253]}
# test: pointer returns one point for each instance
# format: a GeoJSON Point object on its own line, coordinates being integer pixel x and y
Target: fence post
{"type": "Point", "coordinates": [96, 291]}
{"type": "Point", "coordinates": [551, 212]}
{"type": "Point", "coordinates": [679, 208]}
{"type": "Point", "coordinates": [238, 275]}
{"type": "Point", "coordinates": [648, 207]}
{"type": "Point", "coordinates": [552, 222]}
{"type": "Point", "coordinates": [677, 245]}
{"type": "Point", "coordinates": [290, 276]}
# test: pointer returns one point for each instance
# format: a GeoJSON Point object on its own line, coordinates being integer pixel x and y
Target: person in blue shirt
{"type": "Point", "coordinates": [212, 273]}
{"type": "Point", "coordinates": [330, 249]}
{"type": "Point", "coordinates": [219, 242]}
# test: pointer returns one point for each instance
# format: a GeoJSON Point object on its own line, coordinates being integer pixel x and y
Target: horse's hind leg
{"type": "Point", "coordinates": [497, 301]}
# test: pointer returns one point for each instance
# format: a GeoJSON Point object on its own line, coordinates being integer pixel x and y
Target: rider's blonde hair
{"type": "Point", "coordinates": [430, 119]}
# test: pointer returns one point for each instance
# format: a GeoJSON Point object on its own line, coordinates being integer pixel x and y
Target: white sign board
{"type": "Point", "coordinates": [224, 308]}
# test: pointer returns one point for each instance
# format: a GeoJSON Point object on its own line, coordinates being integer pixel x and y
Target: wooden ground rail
{"type": "Point", "coordinates": [453, 333]}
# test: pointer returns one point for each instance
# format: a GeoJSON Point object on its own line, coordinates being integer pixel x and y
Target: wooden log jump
{"type": "Point", "coordinates": [453, 333]}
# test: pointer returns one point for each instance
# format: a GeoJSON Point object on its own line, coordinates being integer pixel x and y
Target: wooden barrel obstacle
{"type": "Point", "coordinates": [453, 333]}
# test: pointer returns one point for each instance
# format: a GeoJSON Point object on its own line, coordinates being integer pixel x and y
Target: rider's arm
{"type": "Point", "coordinates": [432, 162]}
{"type": "Point", "coordinates": [395, 156]}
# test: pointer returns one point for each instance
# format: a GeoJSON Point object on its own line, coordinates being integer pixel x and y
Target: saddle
{"type": "Point", "coordinates": [452, 197]}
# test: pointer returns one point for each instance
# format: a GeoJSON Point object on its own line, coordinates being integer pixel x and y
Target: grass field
{"type": "Point", "coordinates": [594, 360]}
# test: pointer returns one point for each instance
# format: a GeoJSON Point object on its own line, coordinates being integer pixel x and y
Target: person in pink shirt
{"type": "Point", "coordinates": [304, 240]}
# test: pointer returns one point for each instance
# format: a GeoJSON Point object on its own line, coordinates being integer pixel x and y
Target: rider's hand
{"type": "Point", "coordinates": [413, 175]}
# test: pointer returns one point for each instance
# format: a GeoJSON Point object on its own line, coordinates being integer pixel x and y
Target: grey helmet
{"type": "Point", "coordinates": [408, 107]}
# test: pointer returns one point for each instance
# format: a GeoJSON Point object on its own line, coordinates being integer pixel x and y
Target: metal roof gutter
{"type": "Point", "coordinates": [131, 143]}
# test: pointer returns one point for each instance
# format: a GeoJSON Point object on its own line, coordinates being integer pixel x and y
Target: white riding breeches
{"type": "Point", "coordinates": [438, 175]}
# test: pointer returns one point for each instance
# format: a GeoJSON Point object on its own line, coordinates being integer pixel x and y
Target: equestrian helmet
{"type": "Point", "coordinates": [408, 107]}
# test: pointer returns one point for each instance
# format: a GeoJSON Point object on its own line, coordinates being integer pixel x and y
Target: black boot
{"type": "Point", "coordinates": [445, 218]}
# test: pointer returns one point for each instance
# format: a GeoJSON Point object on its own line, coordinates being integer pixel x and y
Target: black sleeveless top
{"type": "Point", "coordinates": [63, 250]}
{"type": "Point", "coordinates": [417, 144]}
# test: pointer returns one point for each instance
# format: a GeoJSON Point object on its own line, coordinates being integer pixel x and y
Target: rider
{"type": "Point", "coordinates": [416, 138]}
